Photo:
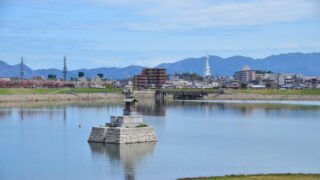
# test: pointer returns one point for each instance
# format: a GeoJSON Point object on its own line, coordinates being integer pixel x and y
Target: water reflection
{"type": "Point", "coordinates": [195, 139]}
{"type": "Point", "coordinates": [151, 108]}
{"type": "Point", "coordinates": [129, 155]}
{"type": "Point", "coordinates": [5, 113]}
{"type": "Point", "coordinates": [248, 109]}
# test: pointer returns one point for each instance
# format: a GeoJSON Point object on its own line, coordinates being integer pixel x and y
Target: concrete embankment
{"type": "Point", "coordinates": [148, 95]}
{"type": "Point", "coordinates": [251, 96]}
{"type": "Point", "coordinates": [59, 97]}
{"type": "Point", "coordinates": [73, 96]}
{"type": "Point", "coordinates": [248, 96]}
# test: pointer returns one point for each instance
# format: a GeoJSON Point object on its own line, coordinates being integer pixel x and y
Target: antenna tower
{"type": "Point", "coordinates": [21, 69]}
{"type": "Point", "coordinates": [65, 68]}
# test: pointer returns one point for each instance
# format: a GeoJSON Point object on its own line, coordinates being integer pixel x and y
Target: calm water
{"type": "Point", "coordinates": [44, 141]}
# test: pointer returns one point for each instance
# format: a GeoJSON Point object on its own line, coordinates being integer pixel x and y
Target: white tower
{"type": "Point", "coordinates": [206, 72]}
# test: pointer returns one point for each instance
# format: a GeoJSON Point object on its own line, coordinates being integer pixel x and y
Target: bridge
{"type": "Point", "coordinates": [185, 94]}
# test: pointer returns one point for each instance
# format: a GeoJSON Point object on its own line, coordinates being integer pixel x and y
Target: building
{"type": "Point", "coordinates": [269, 79]}
{"type": "Point", "coordinates": [150, 78]}
{"type": "Point", "coordinates": [206, 72]}
{"type": "Point", "coordinates": [245, 75]}
{"type": "Point", "coordinates": [311, 82]}
{"type": "Point", "coordinates": [286, 79]}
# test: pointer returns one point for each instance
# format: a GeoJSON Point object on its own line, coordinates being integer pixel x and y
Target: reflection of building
{"type": "Point", "coordinates": [150, 78]}
{"type": "Point", "coordinates": [156, 109]}
{"type": "Point", "coordinates": [33, 113]}
{"type": "Point", "coordinates": [5, 113]}
{"type": "Point", "coordinates": [245, 75]}
{"type": "Point", "coordinates": [128, 154]}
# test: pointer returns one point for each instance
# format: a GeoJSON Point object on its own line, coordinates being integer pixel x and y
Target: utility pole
{"type": "Point", "coordinates": [21, 69]}
{"type": "Point", "coordinates": [65, 68]}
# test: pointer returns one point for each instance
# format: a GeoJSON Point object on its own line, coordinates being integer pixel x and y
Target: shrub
{"type": "Point", "coordinates": [141, 125]}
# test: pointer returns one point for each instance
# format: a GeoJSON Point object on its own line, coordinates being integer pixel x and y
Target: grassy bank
{"type": "Point", "coordinates": [209, 90]}
{"type": "Point", "coordinates": [251, 91]}
{"type": "Point", "coordinates": [278, 92]}
{"type": "Point", "coordinates": [261, 177]}
{"type": "Point", "coordinates": [15, 91]}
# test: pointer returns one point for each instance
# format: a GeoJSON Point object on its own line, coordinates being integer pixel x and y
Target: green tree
{"type": "Point", "coordinates": [100, 75]}
{"type": "Point", "coordinates": [81, 74]}
{"type": "Point", "coordinates": [52, 76]}
{"type": "Point", "coordinates": [244, 86]}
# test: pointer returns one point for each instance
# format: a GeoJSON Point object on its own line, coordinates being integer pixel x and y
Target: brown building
{"type": "Point", "coordinates": [150, 78]}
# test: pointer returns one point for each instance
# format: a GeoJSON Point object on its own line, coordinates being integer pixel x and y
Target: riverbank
{"type": "Point", "coordinates": [27, 91]}
{"type": "Point", "coordinates": [78, 94]}
{"type": "Point", "coordinates": [255, 96]}
{"type": "Point", "coordinates": [269, 94]}
{"type": "Point", "coordinates": [265, 94]}
{"type": "Point", "coordinates": [51, 95]}
{"type": "Point", "coordinates": [261, 177]}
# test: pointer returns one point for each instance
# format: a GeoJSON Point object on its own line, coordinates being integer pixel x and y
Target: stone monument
{"type": "Point", "coordinates": [128, 128]}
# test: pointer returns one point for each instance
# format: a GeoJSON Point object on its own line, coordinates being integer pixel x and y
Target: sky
{"type": "Point", "coordinates": [119, 33]}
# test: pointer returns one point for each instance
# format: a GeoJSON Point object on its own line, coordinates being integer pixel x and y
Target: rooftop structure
{"type": "Point", "coordinates": [245, 68]}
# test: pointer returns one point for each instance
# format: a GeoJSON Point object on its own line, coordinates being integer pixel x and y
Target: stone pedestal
{"type": "Point", "coordinates": [128, 128]}
{"type": "Point", "coordinates": [127, 121]}
{"type": "Point", "coordinates": [120, 135]}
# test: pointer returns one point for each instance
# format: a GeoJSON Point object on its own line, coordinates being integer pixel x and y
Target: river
{"type": "Point", "coordinates": [195, 138]}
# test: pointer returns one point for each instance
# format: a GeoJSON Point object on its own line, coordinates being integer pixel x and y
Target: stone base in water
{"type": "Point", "coordinates": [122, 135]}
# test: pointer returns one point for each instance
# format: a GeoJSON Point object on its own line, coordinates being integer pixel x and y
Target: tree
{"type": "Point", "coordinates": [244, 86]}
{"type": "Point", "coordinates": [268, 85]}
{"type": "Point", "coordinates": [52, 76]}
{"type": "Point", "coordinates": [100, 75]}
{"type": "Point", "coordinates": [81, 74]}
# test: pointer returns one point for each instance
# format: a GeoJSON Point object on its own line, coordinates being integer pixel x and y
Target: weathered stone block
{"type": "Point", "coordinates": [120, 135]}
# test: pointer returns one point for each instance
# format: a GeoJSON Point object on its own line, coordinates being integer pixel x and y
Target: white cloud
{"type": "Point", "coordinates": [197, 14]}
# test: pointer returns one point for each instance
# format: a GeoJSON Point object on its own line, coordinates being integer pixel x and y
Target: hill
{"type": "Point", "coordinates": [300, 63]}
{"type": "Point", "coordinates": [304, 63]}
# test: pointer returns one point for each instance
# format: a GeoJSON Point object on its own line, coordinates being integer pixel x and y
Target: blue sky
{"type": "Point", "coordinates": [96, 33]}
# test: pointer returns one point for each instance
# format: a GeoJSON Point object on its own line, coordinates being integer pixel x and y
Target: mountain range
{"type": "Point", "coordinates": [300, 63]}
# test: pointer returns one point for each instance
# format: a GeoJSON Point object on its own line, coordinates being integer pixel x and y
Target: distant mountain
{"type": "Point", "coordinates": [7, 70]}
{"type": "Point", "coordinates": [110, 73]}
{"type": "Point", "coordinates": [304, 63]}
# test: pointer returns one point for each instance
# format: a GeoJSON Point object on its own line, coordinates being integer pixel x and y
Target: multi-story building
{"type": "Point", "coordinates": [245, 75]}
{"type": "Point", "coordinates": [311, 82]}
{"type": "Point", "coordinates": [290, 79]}
{"type": "Point", "coordinates": [150, 78]}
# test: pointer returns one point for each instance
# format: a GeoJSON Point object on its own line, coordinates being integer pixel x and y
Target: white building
{"type": "Point", "coordinates": [245, 75]}
{"type": "Point", "coordinates": [207, 72]}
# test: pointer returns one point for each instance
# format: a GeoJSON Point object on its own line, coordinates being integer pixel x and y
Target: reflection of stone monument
{"type": "Point", "coordinates": [128, 128]}
{"type": "Point", "coordinates": [128, 154]}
